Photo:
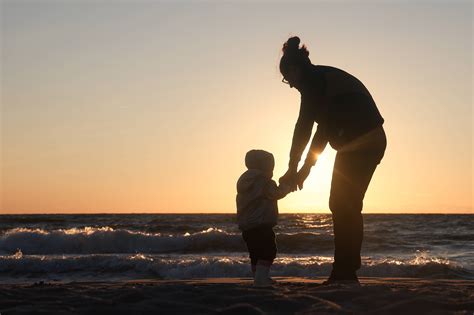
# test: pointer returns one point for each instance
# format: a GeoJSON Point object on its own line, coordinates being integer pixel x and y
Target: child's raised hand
{"type": "Point", "coordinates": [286, 188]}
{"type": "Point", "coordinates": [289, 179]}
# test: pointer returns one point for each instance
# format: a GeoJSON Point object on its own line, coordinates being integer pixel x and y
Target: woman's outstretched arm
{"type": "Point", "coordinates": [301, 135]}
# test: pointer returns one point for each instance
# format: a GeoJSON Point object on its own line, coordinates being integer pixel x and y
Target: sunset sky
{"type": "Point", "coordinates": [126, 106]}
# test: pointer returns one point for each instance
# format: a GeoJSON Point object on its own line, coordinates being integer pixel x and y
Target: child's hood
{"type": "Point", "coordinates": [247, 181]}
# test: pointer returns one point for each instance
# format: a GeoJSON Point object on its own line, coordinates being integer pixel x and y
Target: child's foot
{"type": "Point", "coordinates": [273, 281]}
{"type": "Point", "coordinates": [263, 282]}
{"type": "Point", "coordinates": [262, 279]}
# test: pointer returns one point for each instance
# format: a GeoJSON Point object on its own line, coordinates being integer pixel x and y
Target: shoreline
{"type": "Point", "coordinates": [291, 295]}
{"type": "Point", "coordinates": [328, 212]}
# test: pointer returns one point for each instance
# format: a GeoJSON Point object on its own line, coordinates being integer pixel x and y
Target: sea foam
{"type": "Point", "coordinates": [112, 267]}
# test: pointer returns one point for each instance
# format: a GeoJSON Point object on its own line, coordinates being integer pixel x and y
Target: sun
{"type": "Point", "coordinates": [315, 193]}
{"type": "Point", "coordinates": [321, 173]}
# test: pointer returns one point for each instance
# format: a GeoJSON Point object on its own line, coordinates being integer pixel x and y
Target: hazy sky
{"type": "Point", "coordinates": [126, 106]}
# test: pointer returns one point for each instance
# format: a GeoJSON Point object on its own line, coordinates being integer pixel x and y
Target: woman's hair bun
{"type": "Point", "coordinates": [293, 54]}
{"type": "Point", "coordinates": [292, 44]}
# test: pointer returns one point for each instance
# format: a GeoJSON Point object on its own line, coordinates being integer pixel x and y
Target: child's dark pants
{"type": "Point", "coordinates": [260, 244]}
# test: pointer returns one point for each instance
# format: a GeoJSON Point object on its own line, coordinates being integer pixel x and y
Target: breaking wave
{"type": "Point", "coordinates": [127, 266]}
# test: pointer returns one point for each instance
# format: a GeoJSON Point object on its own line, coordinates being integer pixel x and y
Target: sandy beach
{"type": "Point", "coordinates": [238, 296]}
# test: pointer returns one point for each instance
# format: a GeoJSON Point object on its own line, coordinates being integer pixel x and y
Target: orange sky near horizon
{"type": "Point", "coordinates": [151, 106]}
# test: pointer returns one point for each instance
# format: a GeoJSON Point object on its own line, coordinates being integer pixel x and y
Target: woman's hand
{"type": "Point", "coordinates": [302, 175]}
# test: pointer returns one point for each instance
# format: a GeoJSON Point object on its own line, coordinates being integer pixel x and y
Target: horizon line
{"type": "Point", "coordinates": [193, 213]}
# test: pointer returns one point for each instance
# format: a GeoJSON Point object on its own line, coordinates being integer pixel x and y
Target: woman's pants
{"type": "Point", "coordinates": [351, 176]}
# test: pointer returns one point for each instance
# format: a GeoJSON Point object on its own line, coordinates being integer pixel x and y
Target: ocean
{"type": "Point", "coordinates": [113, 247]}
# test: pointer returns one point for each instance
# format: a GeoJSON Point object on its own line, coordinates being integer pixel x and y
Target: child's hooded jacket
{"type": "Point", "coordinates": [257, 194]}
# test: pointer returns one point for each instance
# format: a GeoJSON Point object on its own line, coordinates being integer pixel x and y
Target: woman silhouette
{"type": "Point", "coordinates": [348, 119]}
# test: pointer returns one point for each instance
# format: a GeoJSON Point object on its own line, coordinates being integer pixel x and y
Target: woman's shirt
{"type": "Point", "coordinates": [341, 106]}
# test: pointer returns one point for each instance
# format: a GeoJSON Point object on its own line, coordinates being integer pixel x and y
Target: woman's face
{"type": "Point", "coordinates": [293, 77]}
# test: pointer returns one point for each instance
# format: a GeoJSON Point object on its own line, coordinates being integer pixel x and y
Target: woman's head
{"type": "Point", "coordinates": [294, 61]}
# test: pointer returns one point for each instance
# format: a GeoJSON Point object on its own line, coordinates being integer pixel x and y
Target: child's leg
{"type": "Point", "coordinates": [253, 265]}
{"type": "Point", "coordinates": [266, 263]}
{"type": "Point", "coordinates": [262, 274]}
{"type": "Point", "coordinates": [266, 256]}
{"type": "Point", "coordinates": [268, 247]}
{"type": "Point", "coordinates": [250, 240]}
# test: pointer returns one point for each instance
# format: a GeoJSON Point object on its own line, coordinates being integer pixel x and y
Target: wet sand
{"type": "Point", "coordinates": [238, 296]}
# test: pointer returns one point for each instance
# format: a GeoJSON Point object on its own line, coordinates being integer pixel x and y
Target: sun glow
{"type": "Point", "coordinates": [322, 171]}
{"type": "Point", "coordinates": [315, 193]}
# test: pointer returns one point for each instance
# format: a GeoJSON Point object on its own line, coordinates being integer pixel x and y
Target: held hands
{"type": "Point", "coordinates": [289, 179]}
{"type": "Point", "coordinates": [295, 179]}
